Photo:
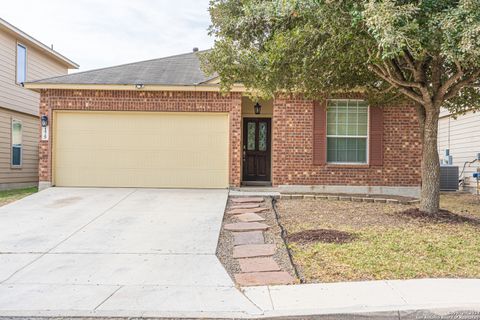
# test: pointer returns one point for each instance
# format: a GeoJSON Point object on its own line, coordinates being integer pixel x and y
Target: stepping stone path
{"type": "Point", "coordinates": [248, 200]}
{"type": "Point", "coordinates": [249, 217]}
{"type": "Point", "coordinates": [246, 226]}
{"type": "Point", "coordinates": [254, 250]}
{"type": "Point", "coordinates": [246, 206]}
{"type": "Point", "coordinates": [258, 264]}
{"type": "Point", "coordinates": [240, 211]}
{"type": "Point", "coordinates": [255, 257]}
{"type": "Point", "coordinates": [248, 237]}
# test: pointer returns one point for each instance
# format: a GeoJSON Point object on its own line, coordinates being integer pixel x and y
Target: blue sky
{"type": "Point", "coordinates": [101, 33]}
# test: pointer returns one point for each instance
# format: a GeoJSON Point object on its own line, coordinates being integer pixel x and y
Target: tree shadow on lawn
{"type": "Point", "coordinates": [321, 235]}
{"type": "Point", "coordinates": [443, 216]}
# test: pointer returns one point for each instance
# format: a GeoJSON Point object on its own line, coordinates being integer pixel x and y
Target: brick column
{"type": "Point", "coordinates": [235, 140]}
{"type": "Point", "coordinates": [44, 147]}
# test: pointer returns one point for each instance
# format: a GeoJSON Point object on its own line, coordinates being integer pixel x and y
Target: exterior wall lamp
{"type": "Point", "coordinates": [257, 108]}
{"type": "Point", "coordinates": [139, 86]}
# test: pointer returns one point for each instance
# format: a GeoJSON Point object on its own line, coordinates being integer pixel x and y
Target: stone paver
{"type": "Point", "coordinates": [254, 250]}
{"type": "Point", "coordinates": [248, 200]}
{"type": "Point", "coordinates": [252, 210]}
{"type": "Point", "coordinates": [246, 226]}
{"type": "Point", "coordinates": [249, 217]}
{"type": "Point", "coordinates": [258, 265]}
{"type": "Point", "coordinates": [245, 206]}
{"type": "Point", "coordinates": [264, 278]}
{"type": "Point", "coordinates": [248, 237]}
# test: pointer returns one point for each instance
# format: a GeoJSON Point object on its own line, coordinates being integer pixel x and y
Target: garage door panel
{"type": "Point", "coordinates": [129, 177]}
{"type": "Point", "coordinates": [141, 149]}
{"type": "Point", "coordinates": [136, 141]}
{"type": "Point", "coordinates": [154, 159]}
{"type": "Point", "coordinates": [104, 122]}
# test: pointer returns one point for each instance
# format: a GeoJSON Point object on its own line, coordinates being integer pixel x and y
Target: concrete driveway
{"type": "Point", "coordinates": [106, 251]}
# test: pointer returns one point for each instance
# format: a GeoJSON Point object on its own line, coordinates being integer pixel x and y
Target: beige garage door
{"type": "Point", "coordinates": [141, 149]}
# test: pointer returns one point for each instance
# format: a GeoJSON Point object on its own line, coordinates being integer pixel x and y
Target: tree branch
{"type": "Point", "coordinates": [455, 89]}
{"type": "Point", "coordinates": [396, 67]}
{"type": "Point", "coordinates": [409, 92]}
{"type": "Point", "coordinates": [421, 76]}
{"type": "Point", "coordinates": [419, 68]}
{"type": "Point", "coordinates": [453, 79]}
{"type": "Point", "coordinates": [395, 78]}
{"type": "Point", "coordinates": [409, 58]}
{"type": "Point", "coordinates": [436, 75]}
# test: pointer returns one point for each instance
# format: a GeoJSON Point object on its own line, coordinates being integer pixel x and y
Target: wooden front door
{"type": "Point", "coordinates": [256, 149]}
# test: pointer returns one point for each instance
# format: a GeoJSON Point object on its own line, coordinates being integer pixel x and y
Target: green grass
{"type": "Point", "coordinates": [396, 253]}
{"type": "Point", "coordinates": [387, 245]}
{"type": "Point", "coordinates": [7, 196]}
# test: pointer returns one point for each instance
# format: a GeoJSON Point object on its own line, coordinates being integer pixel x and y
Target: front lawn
{"type": "Point", "coordinates": [333, 240]}
{"type": "Point", "coordinates": [7, 196]}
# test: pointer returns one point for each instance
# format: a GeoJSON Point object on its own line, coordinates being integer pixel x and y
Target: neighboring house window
{"type": "Point", "coordinates": [347, 131]}
{"type": "Point", "coordinates": [16, 143]}
{"type": "Point", "coordinates": [21, 63]}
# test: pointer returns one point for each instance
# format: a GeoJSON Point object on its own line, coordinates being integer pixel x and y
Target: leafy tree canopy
{"type": "Point", "coordinates": [427, 51]}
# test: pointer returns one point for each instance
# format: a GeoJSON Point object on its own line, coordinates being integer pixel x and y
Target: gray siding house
{"type": "Point", "coordinates": [22, 59]}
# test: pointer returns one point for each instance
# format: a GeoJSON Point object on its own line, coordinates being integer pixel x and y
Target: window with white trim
{"type": "Point", "coordinates": [17, 129]}
{"type": "Point", "coordinates": [21, 63]}
{"type": "Point", "coordinates": [347, 131]}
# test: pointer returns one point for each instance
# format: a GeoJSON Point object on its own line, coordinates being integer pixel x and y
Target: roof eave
{"type": "Point", "coordinates": [36, 86]}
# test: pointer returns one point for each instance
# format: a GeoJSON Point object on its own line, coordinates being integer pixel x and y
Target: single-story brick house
{"type": "Point", "coordinates": [164, 123]}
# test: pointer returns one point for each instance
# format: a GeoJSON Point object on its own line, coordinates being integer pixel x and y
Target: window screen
{"type": "Point", "coordinates": [347, 131]}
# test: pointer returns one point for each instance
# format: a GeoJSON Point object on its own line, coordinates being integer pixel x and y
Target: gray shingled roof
{"type": "Point", "coordinates": [183, 69]}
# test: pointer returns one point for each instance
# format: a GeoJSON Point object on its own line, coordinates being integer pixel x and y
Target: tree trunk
{"type": "Point", "coordinates": [430, 196]}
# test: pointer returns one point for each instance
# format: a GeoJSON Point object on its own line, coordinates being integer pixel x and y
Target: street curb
{"type": "Point", "coordinates": [461, 313]}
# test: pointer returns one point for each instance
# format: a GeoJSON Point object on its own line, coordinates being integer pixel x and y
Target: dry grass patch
{"type": "Point", "coordinates": [388, 243]}
{"type": "Point", "coordinates": [7, 196]}
{"type": "Point", "coordinates": [461, 203]}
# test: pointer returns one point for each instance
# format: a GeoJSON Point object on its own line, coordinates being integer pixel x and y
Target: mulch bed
{"type": "Point", "coordinates": [443, 216]}
{"type": "Point", "coordinates": [321, 235]}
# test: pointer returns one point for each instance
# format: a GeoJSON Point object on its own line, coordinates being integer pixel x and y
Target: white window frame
{"type": "Point", "coordinates": [367, 137]}
{"type": "Point", "coordinates": [16, 62]}
{"type": "Point", "coordinates": [16, 166]}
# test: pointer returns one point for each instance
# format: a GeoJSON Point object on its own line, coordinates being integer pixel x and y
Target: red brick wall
{"type": "Point", "coordinates": [142, 101]}
{"type": "Point", "coordinates": [292, 150]}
